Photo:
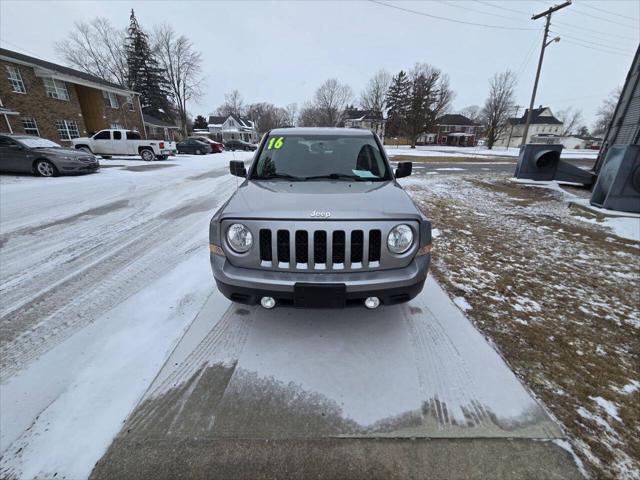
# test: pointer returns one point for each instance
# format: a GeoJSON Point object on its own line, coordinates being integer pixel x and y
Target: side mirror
{"type": "Point", "coordinates": [236, 167]}
{"type": "Point", "coordinates": [15, 146]}
{"type": "Point", "coordinates": [404, 169]}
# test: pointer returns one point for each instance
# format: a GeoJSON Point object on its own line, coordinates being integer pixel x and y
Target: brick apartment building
{"type": "Point", "coordinates": [59, 103]}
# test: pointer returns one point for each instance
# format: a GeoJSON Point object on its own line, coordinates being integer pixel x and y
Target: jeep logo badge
{"type": "Point", "coordinates": [316, 214]}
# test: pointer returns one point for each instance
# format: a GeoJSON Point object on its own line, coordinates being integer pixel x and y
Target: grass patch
{"type": "Point", "coordinates": [559, 298]}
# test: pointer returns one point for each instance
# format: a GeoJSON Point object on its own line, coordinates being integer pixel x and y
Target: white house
{"type": "Point", "coordinates": [543, 128]}
{"type": "Point", "coordinates": [232, 127]}
{"type": "Point", "coordinates": [367, 119]}
{"type": "Point", "coordinates": [578, 142]}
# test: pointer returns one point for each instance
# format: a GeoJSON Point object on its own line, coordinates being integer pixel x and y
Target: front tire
{"type": "Point", "coordinates": [44, 168]}
{"type": "Point", "coordinates": [198, 151]}
{"type": "Point", "coordinates": [147, 155]}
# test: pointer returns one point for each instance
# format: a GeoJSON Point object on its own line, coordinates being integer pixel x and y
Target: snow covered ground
{"type": "Point", "coordinates": [103, 274]}
{"type": "Point", "coordinates": [476, 152]}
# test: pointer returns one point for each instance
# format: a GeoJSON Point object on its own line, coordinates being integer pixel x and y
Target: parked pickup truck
{"type": "Point", "coordinates": [320, 221]}
{"type": "Point", "coordinates": [124, 142]}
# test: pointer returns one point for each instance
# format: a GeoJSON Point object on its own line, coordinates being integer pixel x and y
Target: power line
{"type": "Point", "coordinates": [500, 7]}
{"type": "Point", "coordinates": [612, 47]}
{"type": "Point", "coordinates": [415, 12]}
{"type": "Point", "coordinates": [563, 24]}
{"type": "Point", "coordinates": [468, 9]}
{"type": "Point", "coordinates": [572, 42]}
{"type": "Point", "coordinates": [592, 31]}
{"type": "Point", "coordinates": [607, 11]}
{"type": "Point", "coordinates": [527, 58]}
{"type": "Point", "coordinates": [597, 17]}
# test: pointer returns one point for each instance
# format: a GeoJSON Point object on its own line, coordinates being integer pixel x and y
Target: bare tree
{"type": "Point", "coordinates": [266, 116]}
{"type": "Point", "coordinates": [183, 65]}
{"type": "Point", "coordinates": [97, 48]}
{"type": "Point", "coordinates": [292, 114]}
{"type": "Point", "coordinates": [233, 104]}
{"type": "Point", "coordinates": [309, 116]}
{"type": "Point", "coordinates": [329, 101]}
{"type": "Point", "coordinates": [473, 113]}
{"type": "Point", "coordinates": [498, 105]}
{"type": "Point", "coordinates": [571, 118]}
{"type": "Point", "coordinates": [606, 111]}
{"type": "Point", "coordinates": [374, 96]}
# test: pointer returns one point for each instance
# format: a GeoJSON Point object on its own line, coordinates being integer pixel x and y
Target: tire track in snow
{"type": "Point", "coordinates": [56, 313]}
{"type": "Point", "coordinates": [221, 347]}
{"type": "Point", "coordinates": [446, 389]}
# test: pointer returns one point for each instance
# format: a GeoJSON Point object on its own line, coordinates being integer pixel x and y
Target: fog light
{"type": "Point", "coordinates": [372, 302]}
{"type": "Point", "coordinates": [268, 302]}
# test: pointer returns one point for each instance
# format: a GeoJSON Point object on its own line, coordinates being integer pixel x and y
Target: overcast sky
{"type": "Point", "coordinates": [281, 51]}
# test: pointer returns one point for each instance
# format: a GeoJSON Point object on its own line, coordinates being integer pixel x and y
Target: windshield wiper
{"type": "Point", "coordinates": [281, 175]}
{"type": "Point", "coordinates": [337, 176]}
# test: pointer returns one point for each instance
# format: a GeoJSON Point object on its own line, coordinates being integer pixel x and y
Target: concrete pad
{"type": "Point", "coordinates": [347, 385]}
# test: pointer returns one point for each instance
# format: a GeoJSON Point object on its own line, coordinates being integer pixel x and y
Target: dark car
{"type": "Point", "coordinates": [30, 154]}
{"type": "Point", "coordinates": [239, 145]}
{"type": "Point", "coordinates": [216, 147]}
{"type": "Point", "coordinates": [191, 145]}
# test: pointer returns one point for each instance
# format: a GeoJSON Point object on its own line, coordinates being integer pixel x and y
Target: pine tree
{"type": "Point", "coordinates": [200, 122]}
{"type": "Point", "coordinates": [145, 75]}
{"type": "Point", "coordinates": [398, 104]}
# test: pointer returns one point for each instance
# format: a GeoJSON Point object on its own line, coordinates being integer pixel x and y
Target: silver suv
{"type": "Point", "coordinates": [320, 221]}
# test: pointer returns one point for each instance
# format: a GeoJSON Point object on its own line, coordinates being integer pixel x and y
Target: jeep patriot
{"type": "Point", "coordinates": [320, 221]}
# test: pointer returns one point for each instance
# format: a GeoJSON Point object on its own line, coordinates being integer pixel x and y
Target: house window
{"type": "Point", "coordinates": [15, 79]}
{"type": "Point", "coordinates": [130, 103]}
{"type": "Point", "coordinates": [110, 99]}
{"type": "Point", "coordinates": [56, 89]}
{"type": "Point", "coordinates": [67, 129]}
{"type": "Point", "coordinates": [30, 126]}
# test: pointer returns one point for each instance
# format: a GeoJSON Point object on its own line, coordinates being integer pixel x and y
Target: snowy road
{"type": "Point", "coordinates": [109, 315]}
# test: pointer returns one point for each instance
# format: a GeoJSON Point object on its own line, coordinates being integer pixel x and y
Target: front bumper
{"type": "Point", "coordinates": [78, 168]}
{"type": "Point", "coordinates": [246, 285]}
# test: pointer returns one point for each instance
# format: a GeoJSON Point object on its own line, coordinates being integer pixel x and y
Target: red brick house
{"type": "Point", "coordinates": [452, 129]}
{"type": "Point", "coordinates": [59, 103]}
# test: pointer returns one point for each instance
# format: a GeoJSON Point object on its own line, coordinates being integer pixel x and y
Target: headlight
{"type": "Point", "coordinates": [400, 239]}
{"type": "Point", "coordinates": [239, 238]}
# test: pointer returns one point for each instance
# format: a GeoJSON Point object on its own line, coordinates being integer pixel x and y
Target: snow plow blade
{"type": "Point", "coordinates": [542, 163]}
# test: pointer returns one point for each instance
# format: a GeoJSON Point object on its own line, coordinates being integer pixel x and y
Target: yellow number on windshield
{"type": "Point", "coordinates": [275, 143]}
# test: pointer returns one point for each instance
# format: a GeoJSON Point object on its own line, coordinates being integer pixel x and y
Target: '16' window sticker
{"type": "Point", "coordinates": [275, 143]}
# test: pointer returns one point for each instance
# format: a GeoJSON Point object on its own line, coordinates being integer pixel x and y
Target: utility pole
{"type": "Point", "coordinates": [545, 44]}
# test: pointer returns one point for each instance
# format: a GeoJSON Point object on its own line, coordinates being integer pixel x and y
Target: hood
{"type": "Point", "coordinates": [280, 199]}
{"type": "Point", "coordinates": [63, 152]}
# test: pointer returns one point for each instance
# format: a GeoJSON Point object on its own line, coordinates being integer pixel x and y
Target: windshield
{"type": "Point", "coordinates": [35, 142]}
{"type": "Point", "coordinates": [298, 157]}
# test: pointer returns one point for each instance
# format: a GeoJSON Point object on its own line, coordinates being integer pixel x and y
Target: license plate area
{"type": "Point", "coordinates": [313, 295]}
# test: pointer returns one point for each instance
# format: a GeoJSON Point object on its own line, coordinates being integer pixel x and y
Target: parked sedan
{"type": "Point", "coordinates": [191, 145]}
{"type": "Point", "coordinates": [30, 154]}
{"type": "Point", "coordinates": [239, 145]}
{"type": "Point", "coordinates": [216, 147]}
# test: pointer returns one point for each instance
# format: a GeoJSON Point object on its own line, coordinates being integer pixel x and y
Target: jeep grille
{"type": "Point", "coordinates": [335, 250]}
